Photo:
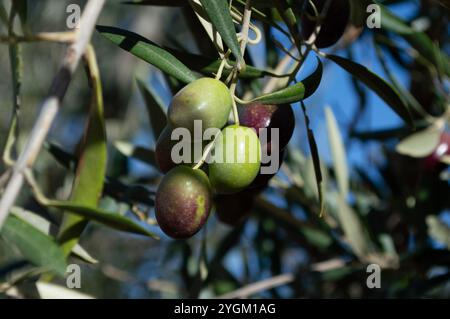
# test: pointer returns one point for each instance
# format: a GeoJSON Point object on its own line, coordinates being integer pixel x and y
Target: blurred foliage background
{"type": "Point", "coordinates": [382, 205]}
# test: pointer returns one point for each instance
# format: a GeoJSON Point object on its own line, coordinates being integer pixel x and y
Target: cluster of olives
{"type": "Point", "coordinates": [186, 193]}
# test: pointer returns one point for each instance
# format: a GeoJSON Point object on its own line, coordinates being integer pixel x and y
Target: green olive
{"type": "Point", "coordinates": [205, 99]}
{"type": "Point", "coordinates": [236, 163]}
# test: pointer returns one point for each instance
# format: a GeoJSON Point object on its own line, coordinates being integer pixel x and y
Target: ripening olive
{"type": "Point", "coordinates": [332, 27]}
{"type": "Point", "coordinates": [163, 151]}
{"type": "Point", "coordinates": [183, 202]}
{"type": "Point", "coordinates": [205, 99]}
{"type": "Point", "coordinates": [269, 116]}
{"type": "Point", "coordinates": [237, 154]}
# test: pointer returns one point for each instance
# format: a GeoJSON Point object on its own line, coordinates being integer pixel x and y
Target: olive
{"type": "Point", "coordinates": [183, 201]}
{"type": "Point", "coordinates": [164, 146]}
{"type": "Point", "coordinates": [236, 159]}
{"type": "Point", "coordinates": [206, 99]}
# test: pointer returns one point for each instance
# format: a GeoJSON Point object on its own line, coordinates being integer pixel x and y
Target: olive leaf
{"type": "Point", "coordinates": [383, 89]}
{"type": "Point", "coordinates": [149, 52]}
{"type": "Point", "coordinates": [420, 144]}
{"type": "Point", "coordinates": [316, 161]}
{"type": "Point", "coordinates": [417, 39]}
{"type": "Point", "coordinates": [91, 166]}
{"type": "Point", "coordinates": [37, 247]}
{"type": "Point", "coordinates": [48, 228]}
{"type": "Point", "coordinates": [110, 219]}
{"type": "Point", "coordinates": [218, 12]}
{"type": "Point", "coordinates": [296, 92]}
{"type": "Point", "coordinates": [338, 152]}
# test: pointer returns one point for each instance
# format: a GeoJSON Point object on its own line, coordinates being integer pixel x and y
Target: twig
{"type": "Point", "coordinates": [62, 37]}
{"type": "Point", "coordinates": [259, 286]}
{"type": "Point", "coordinates": [51, 105]}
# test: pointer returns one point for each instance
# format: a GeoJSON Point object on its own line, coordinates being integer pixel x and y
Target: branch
{"type": "Point", "coordinates": [51, 105]}
{"type": "Point", "coordinates": [259, 286]}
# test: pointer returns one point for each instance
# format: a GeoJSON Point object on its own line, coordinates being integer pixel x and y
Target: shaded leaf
{"type": "Point", "coordinates": [338, 152]}
{"type": "Point", "coordinates": [383, 89]}
{"type": "Point", "coordinates": [91, 166]}
{"type": "Point", "coordinates": [140, 153]}
{"type": "Point", "coordinates": [109, 219]}
{"type": "Point", "coordinates": [316, 161]}
{"type": "Point", "coordinates": [46, 227]}
{"type": "Point", "coordinates": [155, 108]}
{"type": "Point", "coordinates": [148, 51]}
{"type": "Point", "coordinates": [219, 14]}
{"type": "Point", "coordinates": [420, 144]}
{"type": "Point", "coordinates": [34, 245]}
{"type": "Point", "coordinates": [417, 39]}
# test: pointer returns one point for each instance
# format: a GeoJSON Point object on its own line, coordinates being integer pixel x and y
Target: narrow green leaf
{"type": "Point", "coordinates": [208, 66]}
{"type": "Point", "coordinates": [34, 245]}
{"type": "Point", "coordinates": [296, 92]}
{"type": "Point", "coordinates": [219, 14]}
{"type": "Point", "coordinates": [91, 167]}
{"type": "Point", "coordinates": [383, 89]}
{"type": "Point", "coordinates": [109, 219]}
{"type": "Point", "coordinates": [149, 52]}
{"type": "Point", "coordinates": [316, 161]}
{"type": "Point", "coordinates": [46, 227]}
{"type": "Point", "coordinates": [353, 229]}
{"type": "Point", "coordinates": [420, 144]}
{"type": "Point", "coordinates": [338, 152]}
{"type": "Point", "coordinates": [155, 108]}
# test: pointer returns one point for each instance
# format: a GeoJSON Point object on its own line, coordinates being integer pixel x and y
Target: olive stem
{"type": "Point", "coordinates": [61, 37]}
{"type": "Point", "coordinates": [273, 83]}
{"type": "Point", "coordinates": [205, 154]}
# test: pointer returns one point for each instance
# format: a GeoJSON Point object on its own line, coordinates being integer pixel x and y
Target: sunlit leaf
{"type": "Point", "coordinates": [219, 14]}
{"type": "Point", "coordinates": [338, 152]}
{"type": "Point", "coordinates": [353, 229]}
{"type": "Point", "coordinates": [420, 144]}
{"type": "Point", "coordinates": [296, 92]}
